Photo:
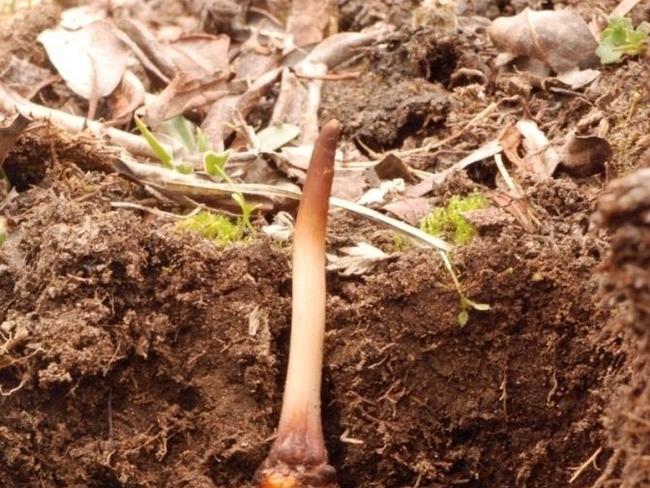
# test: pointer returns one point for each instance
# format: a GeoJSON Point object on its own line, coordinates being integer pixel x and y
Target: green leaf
{"type": "Point", "coordinates": [215, 164]}
{"type": "Point", "coordinates": [463, 318]}
{"type": "Point", "coordinates": [608, 53]}
{"type": "Point", "coordinates": [276, 136]}
{"type": "Point", "coordinates": [246, 209]}
{"type": "Point", "coordinates": [481, 307]}
{"type": "Point", "coordinates": [202, 143]}
{"type": "Point", "coordinates": [620, 38]}
{"type": "Point", "coordinates": [181, 130]}
{"type": "Point", "coordinates": [3, 231]}
{"type": "Point", "coordinates": [183, 167]}
{"type": "Point", "coordinates": [158, 149]}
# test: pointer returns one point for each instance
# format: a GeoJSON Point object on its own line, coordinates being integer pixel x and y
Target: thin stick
{"type": "Point", "coordinates": [344, 75]}
{"type": "Point", "coordinates": [12, 103]}
{"type": "Point", "coordinates": [510, 183]}
{"type": "Point", "coordinates": [623, 8]}
{"type": "Point", "coordinates": [477, 118]}
{"type": "Point", "coordinates": [155, 211]}
{"type": "Point", "coordinates": [585, 465]}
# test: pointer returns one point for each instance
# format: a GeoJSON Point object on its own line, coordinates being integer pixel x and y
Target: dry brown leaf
{"type": "Point", "coordinates": [410, 210]}
{"type": "Point", "coordinates": [251, 65]}
{"type": "Point", "coordinates": [422, 188]}
{"type": "Point", "coordinates": [391, 167]}
{"type": "Point", "coordinates": [510, 140]}
{"type": "Point", "coordinates": [308, 20]}
{"type": "Point", "coordinates": [348, 184]}
{"type": "Point", "coordinates": [517, 207]}
{"type": "Point", "coordinates": [144, 45]}
{"type": "Point", "coordinates": [584, 156]}
{"type": "Point", "coordinates": [127, 97]}
{"type": "Point", "coordinates": [559, 38]}
{"type": "Point", "coordinates": [291, 102]}
{"type": "Point", "coordinates": [91, 60]}
{"type": "Point", "coordinates": [9, 133]}
{"type": "Point", "coordinates": [185, 93]}
{"type": "Point", "coordinates": [199, 55]}
{"type": "Point", "coordinates": [25, 78]}
{"type": "Point", "coordinates": [219, 124]}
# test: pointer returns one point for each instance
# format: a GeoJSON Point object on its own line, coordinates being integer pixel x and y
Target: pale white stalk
{"type": "Point", "coordinates": [298, 457]}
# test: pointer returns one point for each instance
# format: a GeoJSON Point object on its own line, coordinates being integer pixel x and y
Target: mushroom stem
{"type": "Point", "coordinates": [298, 457]}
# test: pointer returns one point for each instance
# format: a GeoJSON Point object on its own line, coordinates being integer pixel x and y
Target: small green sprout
{"type": "Point", "coordinates": [161, 153]}
{"type": "Point", "coordinates": [194, 141]}
{"type": "Point", "coordinates": [620, 38]}
{"type": "Point", "coordinates": [218, 228]}
{"type": "Point", "coordinates": [449, 223]}
{"type": "Point", "coordinates": [465, 303]}
{"type": "Point", "coordinates": [215, 164]}
{"type": "Point", "coordinates": [3, 231]}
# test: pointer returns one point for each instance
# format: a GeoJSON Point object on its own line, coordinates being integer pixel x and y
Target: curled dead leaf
{"type": "Point", "coordinates": [186, 93]}
{"type": "Point", "coordinates": [308, 20]}
{"type": "Point", "coordinates": [560, 39]}
{"type": "Point", "coordinates": [410, 210]}
{"type": "Point", "coordinates": [127, 97]}
{"type": "Point", "coordinates": [584, 156]}
{"type": "Point", "coordinates": [541, 159]}
{"type": "Point", "coordinates": [199, 55]}
{"type": "Point", "coordinates": [91, 60]}
{"type": "Point", "coordinates": [26, 78]}
{"type": "Point", "coordinates": [9, 133]}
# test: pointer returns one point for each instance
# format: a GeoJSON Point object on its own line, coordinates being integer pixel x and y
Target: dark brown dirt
{"type": "Point", "coordinates": [399, 80]}
{"type": "Point", "coordinates": [18, 34]}
{"type": "Point", "coordinates": [129, 349]}
{"type": "Point", "coordinates": [624, 209]}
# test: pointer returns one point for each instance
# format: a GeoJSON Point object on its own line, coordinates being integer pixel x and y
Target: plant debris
{"type": "Point", "coordinates": [548, 40]}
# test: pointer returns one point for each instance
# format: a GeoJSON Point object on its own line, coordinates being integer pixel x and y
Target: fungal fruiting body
{"type": "Point", "coordinates": [298, 457]}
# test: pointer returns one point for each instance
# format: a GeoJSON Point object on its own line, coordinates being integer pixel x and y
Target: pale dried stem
{"type": "Point", "coordinates": [11, 103]}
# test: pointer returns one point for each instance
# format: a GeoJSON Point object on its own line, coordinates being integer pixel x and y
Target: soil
{"type": "Point", "coordinates": [136, 355]}
{"type": "Point", "coordinates": [624, 209]}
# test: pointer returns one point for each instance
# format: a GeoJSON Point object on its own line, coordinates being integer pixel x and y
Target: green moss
{"type": "Point", "coordinates": [449, 223]}
{"type": "Point", "coordinates": [401, 243]}
{"type": "Point", "coordinates": [218, 228]}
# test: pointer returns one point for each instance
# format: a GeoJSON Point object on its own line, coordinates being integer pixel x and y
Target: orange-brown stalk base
{"type": "Point", "coordinates": [281, 475]}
